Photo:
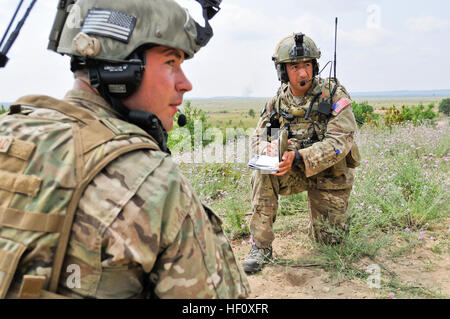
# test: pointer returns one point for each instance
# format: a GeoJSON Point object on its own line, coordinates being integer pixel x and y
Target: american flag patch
{"type": "Point", "coordinates": [341, 104]}
{"type": "Point", "coordinates": [109, 23]}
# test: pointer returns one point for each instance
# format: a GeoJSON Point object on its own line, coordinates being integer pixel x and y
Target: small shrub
{"type": "Point", "coordinates": [414, 114]}
{"type": "Point", "coordinates": [2, 110]}
{"type": "Point", "coordinates": [444, 106]}
{"type": "Point", "coordinates": [363, 112]}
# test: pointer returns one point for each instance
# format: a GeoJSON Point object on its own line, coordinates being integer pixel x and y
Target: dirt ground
{"type": "Point", "coordinates": [419, 273]}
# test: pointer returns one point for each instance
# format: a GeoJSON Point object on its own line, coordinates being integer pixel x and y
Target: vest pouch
{"type": "Point", "coordinates": [10, 254]}
{"type": "Point", "coordinates": [301, 131]}
{"type": "Point", "coordinates": [353, 157]}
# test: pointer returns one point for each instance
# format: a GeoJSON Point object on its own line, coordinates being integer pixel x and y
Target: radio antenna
{"type": "Point", "coordinates": [11, 22]}
{"type": "Point", "coordinates": [14, 34]}
{"type": "Point", "coordinates": [335, 45]}
{"type": "Point", "coordinates": [334, 66]}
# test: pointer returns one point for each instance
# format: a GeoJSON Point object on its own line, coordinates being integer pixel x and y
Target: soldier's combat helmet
{"type": "Point", "coordinates": [115, 33]}
{"type": "Point", "coordinates": [295, 48]}
{"type": "Point", "coordinates": [116, 28]}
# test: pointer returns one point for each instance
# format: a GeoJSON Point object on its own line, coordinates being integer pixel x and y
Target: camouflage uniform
{"type": "Point", "coordinates": [324, 145]}
{"type": "Point", "coordinates": [139, 228]}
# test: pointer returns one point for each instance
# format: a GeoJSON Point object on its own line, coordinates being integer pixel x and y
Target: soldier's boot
{"type": "Point", "coordinates": [256, 259]}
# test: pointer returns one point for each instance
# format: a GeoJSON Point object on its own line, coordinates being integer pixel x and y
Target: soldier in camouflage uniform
{"type": "Point", "coordinates": [320, 154]}
{"type": "Point", "coordinates": [138, 230]}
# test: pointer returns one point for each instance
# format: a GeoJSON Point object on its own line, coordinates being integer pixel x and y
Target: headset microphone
{"type": "Point", "coordinates": [181, 119]}
{"type": "Point", "coordinates": [303, 83]}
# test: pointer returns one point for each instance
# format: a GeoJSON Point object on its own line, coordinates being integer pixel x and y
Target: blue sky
{"type": "Point", "coordinates": [382, 46]}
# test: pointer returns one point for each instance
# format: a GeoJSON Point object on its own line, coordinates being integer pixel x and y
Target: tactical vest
{"type": "Point", "coordinates": [307, 132]}
{"type": "Point", "coordinates": [312, 130]}
{"type": "Point", "coordinates": [45, 166]}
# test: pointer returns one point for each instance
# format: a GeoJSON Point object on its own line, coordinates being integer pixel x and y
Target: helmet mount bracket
{"type": "Point", "coordinates": [298, 50]}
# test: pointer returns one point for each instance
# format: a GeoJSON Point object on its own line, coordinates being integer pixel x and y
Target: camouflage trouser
{"type": "Point", "coordinates": [327, 208]}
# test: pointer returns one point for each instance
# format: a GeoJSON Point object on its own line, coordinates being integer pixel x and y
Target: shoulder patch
{"type": "Point", "coordinates": [341, 104]}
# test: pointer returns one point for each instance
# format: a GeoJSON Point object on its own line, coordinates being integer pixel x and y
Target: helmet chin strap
{"type": "Point", "coordinates": [116, 104]}
{"type": "Point", "coordinates": [147, 121]}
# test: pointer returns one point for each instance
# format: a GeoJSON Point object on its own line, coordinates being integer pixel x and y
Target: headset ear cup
{"type": "Point", "coordinates": [283, 73]}
{"type": "Point", "coordinates": [117, 80]}
{"type": "Point", "coordinates": [315, 67]}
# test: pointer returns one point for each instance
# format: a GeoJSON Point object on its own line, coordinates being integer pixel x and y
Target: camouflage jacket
{"type": "Point", "coordinates": [325, 143]}
{"type": "Point", "coordinates": [139, 229]}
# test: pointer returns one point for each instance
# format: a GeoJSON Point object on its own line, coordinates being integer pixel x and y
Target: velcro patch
{"type": "Point", "coordinates": [340, 105]}
{"type": "Point", "coordinates": [5, 143]}
{"type": "Point", "coordinates": [109, 23]}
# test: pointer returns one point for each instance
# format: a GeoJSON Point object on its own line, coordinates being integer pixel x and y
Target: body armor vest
{"type": "Point", "coordinates": [47, 159]}
{"type": "Point", "coordinates": [305, 131]}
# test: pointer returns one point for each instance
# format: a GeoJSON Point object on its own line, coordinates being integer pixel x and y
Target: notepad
{"type": "Point", "coordinates": [264, 163]}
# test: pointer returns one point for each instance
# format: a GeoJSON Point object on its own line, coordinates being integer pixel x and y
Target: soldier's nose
{"type": "Point", "coordinates": [303, 73]}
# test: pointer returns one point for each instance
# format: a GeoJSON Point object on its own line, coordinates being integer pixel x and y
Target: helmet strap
{"type": "Point", "coordinates": [147, 121]}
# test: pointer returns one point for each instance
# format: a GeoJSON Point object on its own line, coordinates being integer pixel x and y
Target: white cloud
{"type": "Point", "coordinates": [365, 38]}
{"type": "Point", "coordinates": [238, 57]}
{"type": "Point", "coordinates": [427, 24]}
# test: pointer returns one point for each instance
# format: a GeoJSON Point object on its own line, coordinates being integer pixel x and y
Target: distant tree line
{"type": "Point", "coordinates": [364, 113]}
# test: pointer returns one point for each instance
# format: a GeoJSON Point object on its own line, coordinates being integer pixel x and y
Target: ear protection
{"type": "Point", "coordinates": [118, 80]}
